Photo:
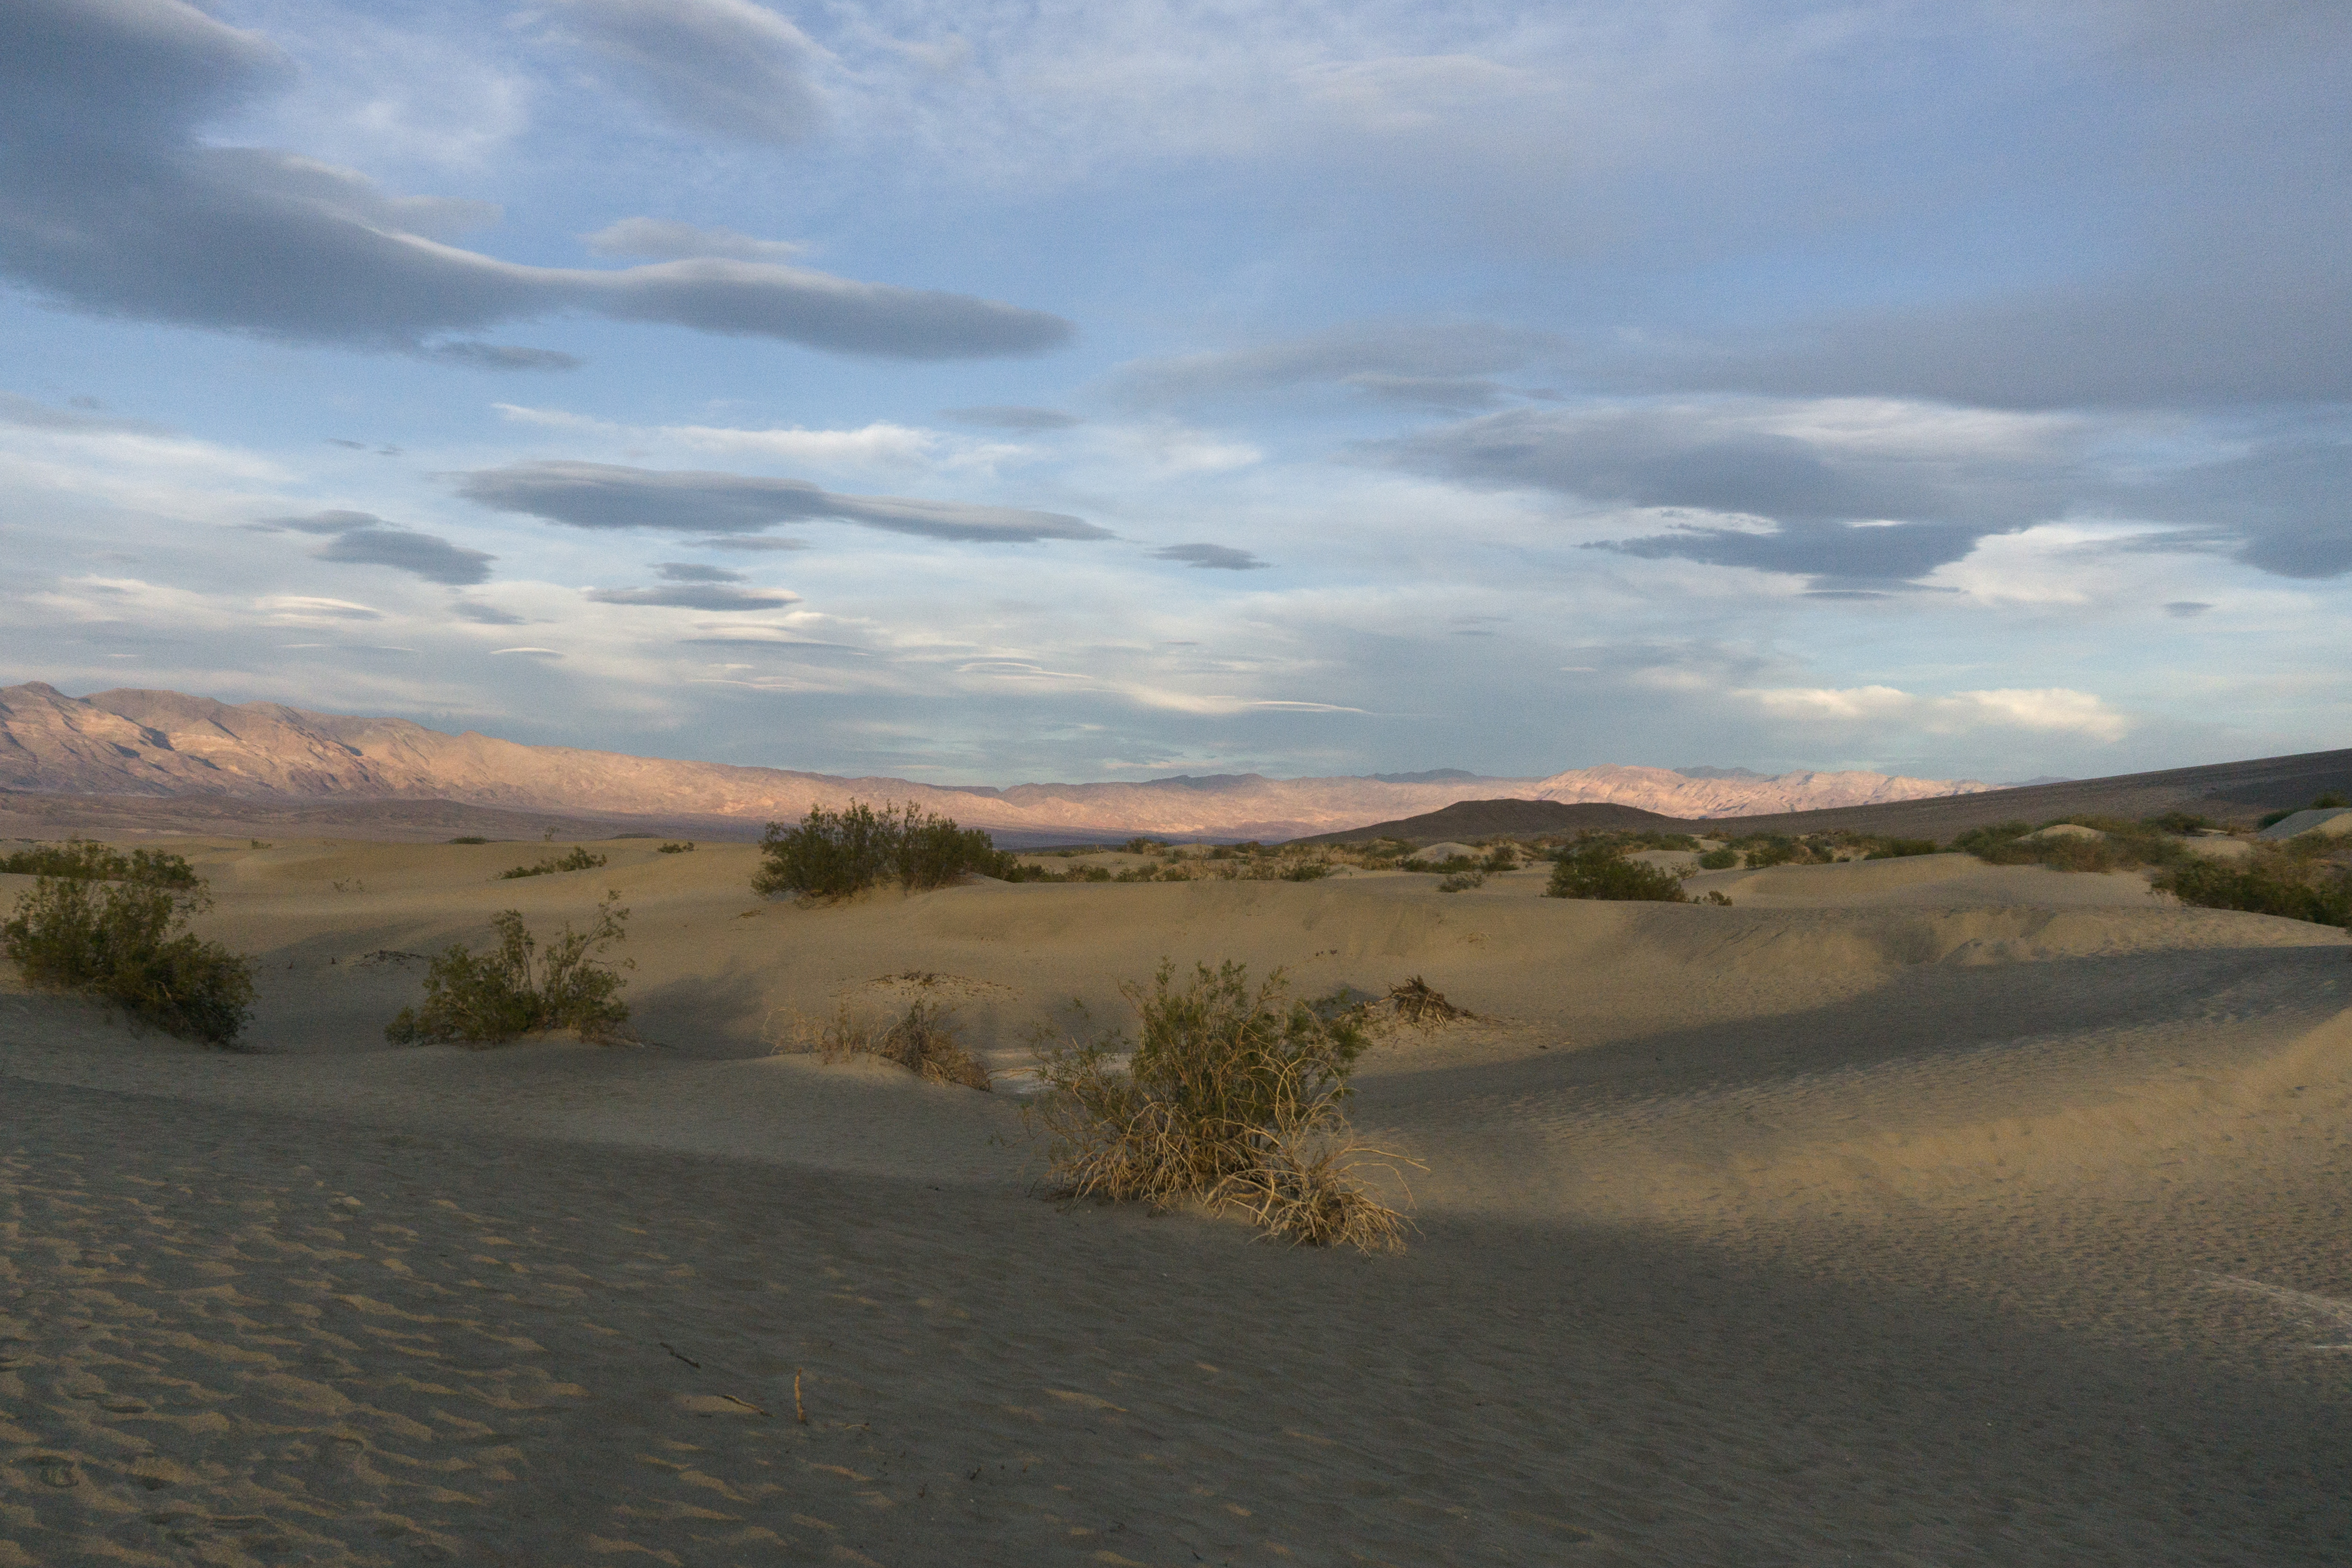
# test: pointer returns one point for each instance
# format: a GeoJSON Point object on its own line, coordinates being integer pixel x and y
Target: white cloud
{"type": "Point", "coordinates": [879, 445]}
{"type": "Point", "coordinates": [2046, 711]}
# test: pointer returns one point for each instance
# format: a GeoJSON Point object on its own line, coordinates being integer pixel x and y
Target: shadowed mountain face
{"type": "Point", "coordinates": [164, 745]}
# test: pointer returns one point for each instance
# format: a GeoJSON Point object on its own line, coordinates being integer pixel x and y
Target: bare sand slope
{"type": "Point", "coordinates": [1905, 1213]}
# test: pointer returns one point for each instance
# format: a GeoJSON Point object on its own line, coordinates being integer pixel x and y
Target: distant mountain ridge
{"type": "Point", "coordinates": [165, 744]}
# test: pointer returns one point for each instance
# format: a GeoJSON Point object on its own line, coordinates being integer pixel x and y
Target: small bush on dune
{"type": "Point", "coordinates": [1722, 859]}
{"type": "Point", "coordinates": [126, 941]}
{"type": "Point", "coordinates": [82, 859]}
{"type": "Point", "coordinates": [2276, 881]}
{"type": "Point", "coordinates": [1600, 870]}
{"type": "Point", "coordinates": [514, 989]}
{"type": "Point", "coordinates": [1415, 1002]}
{"type": "Point", "coordinates": [2122, 844]}
{"type": "Point", "coordinates": [925, 1042]}
{"type": "Point", "coordinates": [1232, 1094]}
{"type": "Point", "coordinates": [578, 860]}
{"type": "Point", "coordinates": [1899, 848]}
{"type": "Point", "coordinates": [834, 853]}
{"type": "Point", "coordinates": [1462, 882]}
{"type": "Point", "coordinates": [2319, 802]}
{"type": "Point", "coordinates": [685, 848]}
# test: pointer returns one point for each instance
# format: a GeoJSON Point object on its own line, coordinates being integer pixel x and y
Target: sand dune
{"type": "Point", "coordinates": [1906, 1212]}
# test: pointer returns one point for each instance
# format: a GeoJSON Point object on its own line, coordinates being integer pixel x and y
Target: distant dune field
{"type": "Point", "coordinates": [1906, 1212]}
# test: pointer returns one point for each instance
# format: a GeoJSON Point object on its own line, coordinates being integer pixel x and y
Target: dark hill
{"type": "Point", "coordinates": [2231, 792]}
{"type": "Point", "coordinates": [1522, 818]}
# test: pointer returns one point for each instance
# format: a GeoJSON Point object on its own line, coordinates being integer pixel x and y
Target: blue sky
{"type": "Point", "coordinates": [997, 392]}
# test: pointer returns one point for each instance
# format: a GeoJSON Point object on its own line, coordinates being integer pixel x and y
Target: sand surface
{"type": "Point", "coordinates": [1911, 1211]}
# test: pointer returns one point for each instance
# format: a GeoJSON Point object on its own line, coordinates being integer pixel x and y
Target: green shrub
{"type": "Point", "coordinates": [1306, 872]}
{"type": "Point", "coordinates": [1986, 841]}
{"type": "Point", "coordinates": [1462, 881]}
{"type": "Point", "coordinates": [470, 838]}
{"type": "Point", "coordinates": [1722, 859]}
{"type": "Point", "coordinates": [1600, 870]}
{"type": "Point", "coordinates": [2124, 843]}
{"type": "Point", "coordinates": [2330, 801]}
{"type": "Point", "coordinates": [1232, 1095]}
{"type": "Point", "coordinates": [1774, 849]}
{"type": "Point", "coordinates": [1899, 848]}
{"type": "Point", "coordinates": [83, 859]}
{"type": "Point", "coordinates": [126, 943]}
{"type": "Point", "coordinates": [832, 854]}
{"type": "Point", "coordinates": [514, 989]}
{"type": "Point", "coordinates": [2275, 882]}
{"type": "Point", "coordinates": [2178, 822]}
{"type": "Point", "coordinates": [578, 860]}
{"type": "Point", "coordinates": [685, 848]}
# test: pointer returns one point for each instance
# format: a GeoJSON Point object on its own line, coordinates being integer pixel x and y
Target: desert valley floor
{"type": "Point", "coordinates": [1906, 1213]}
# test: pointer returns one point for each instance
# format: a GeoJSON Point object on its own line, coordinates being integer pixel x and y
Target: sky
{"type": "Point", "coordinates": [991, 393]}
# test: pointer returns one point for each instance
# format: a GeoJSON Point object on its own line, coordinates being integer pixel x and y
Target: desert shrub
{"type": "Point", "coordinates": [126, 941]}
{"type": "Point", "coordinates": [1774, 849]}
{"type": "Point", "coordinates": [1715, 897]}
{"type": "Point", "coordinates": [513, 988]}
{"type": "Point", "coordinates": [1415, 1002]}
{"type": "Point", "coordinates": [578, 860]}
{"type": "Point", "coordinates": [685, 848]}
{"type": "Point", "coordinates": [1462, 881]}
{"type": "Point", "coordinates": [1231, 1094]}
{"type": "Point", "coordinates": [1306, 872]}
{"type": "Point", "coordinates": [924, 1041]}
{"type": "Point", "coordinates": [83, 859]}
{"type": "Point", "coordinates": [2122, 844]}
{"type": "Point", "coordinates": [2275, 882]}
{"type": "Point", "coordinates": [1600, 870]}
{"type": "Point", "coordinates": [1898, 848]}
{"type": "Point", "coordinates": [1722, 859]}
{"type": "Point", "coordinates": [1984, 842]}
{"type": "Point", "coordinates": [1143, 846]}
{"type": "Point", "coordinates": [2180, 822]}
{"type": "Point", "coordinates": [834, 853]}
{"type": "Point", "coordinates": [1501, 857]}
{"type": "Point", "coordinates": [470, 838]}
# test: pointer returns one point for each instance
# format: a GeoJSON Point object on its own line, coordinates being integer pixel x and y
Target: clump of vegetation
{"type": "Point", "coordinates": [1599, 869]}
{"type": "Point", "coordinates": [1416, 1003]}
{"type": "Point", "coordinates": [1899, 848]}
{"type": "Point", "coordinates": [2319, 803]}
{"type": "Point", "coordinates": [84, 860]}
{"type": "Point", "coordinates": [834, 853]}
{"type": "Point", "coordinates": [515, 989]}
{"type": "Point", "coordinates": [685, 848]}
{"type": "Point", "coordinates": [925, 1042]}
{"type": "Point", "coordinates": [2119, 845]}
{"type": "Point", "coordinates": [1232, 1095]}
{"type": "Point", "coordinates": [1462, 881]}
{"type": "Point", "coordinates": [123, 939]}
{"type": "Point", "coordinates": [2300, 880]}
{"type": "Point", "coordinates": [578, 860]}
{"type": "Point", "coordinates": [1722, 859]}
{"type": "Point", "coordinates": [470, 838]}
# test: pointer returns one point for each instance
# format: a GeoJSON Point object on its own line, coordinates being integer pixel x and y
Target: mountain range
{"type": "Point", "coordinates": [166, 745]}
